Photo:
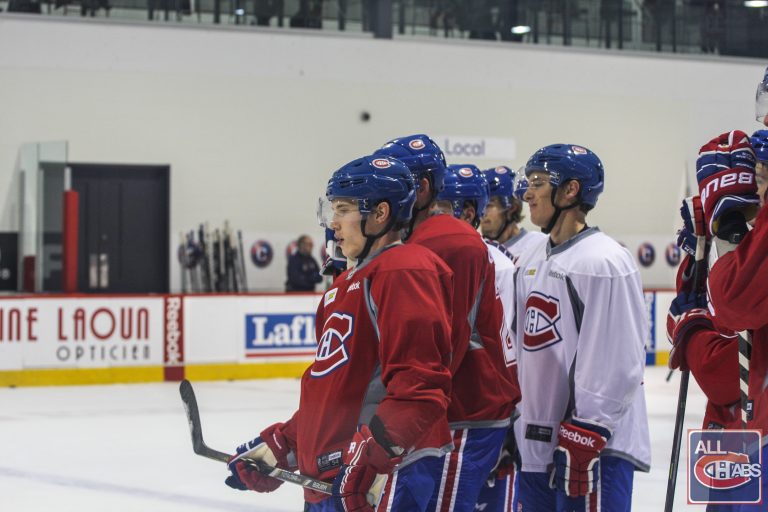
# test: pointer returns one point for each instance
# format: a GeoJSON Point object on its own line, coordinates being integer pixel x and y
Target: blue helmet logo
{"type": "Point", "coordinates": [420, 154]}
{"type": "Point", "coordinates": [565, 162]}
{"type": "Point", "coordinates": [501, 184]}
{"type": "Point", "coordinates": [373, 179]}
{"type": "Point", "coordinates": [463, 183]}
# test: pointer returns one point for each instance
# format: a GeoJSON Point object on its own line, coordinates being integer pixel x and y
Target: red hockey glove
{"type": "Point", "coordinates": [694, 225]}
{"type": "Point", "coordinates": [687, 314]}
{"type": "Point", "coordinates": [271, 447]}
{"type": "Point", "coordinates": [725, 171]}
{"type": "Point", "coordinates": [577, 457]}
{"type": "Point", "coordinates": [359, 484]}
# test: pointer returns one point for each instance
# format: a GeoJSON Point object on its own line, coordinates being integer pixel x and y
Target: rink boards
{"type": "Point", "coordinates": [88, 339]}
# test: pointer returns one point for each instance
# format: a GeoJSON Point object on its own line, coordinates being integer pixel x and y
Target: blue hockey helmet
{"type": "Point", "coordinates": [372, 179]}
{"type": "Point", "coordinates": [565, 162]}
{"type": "Point", "coordinates": [759, 142]}
{"type": "Point", "coordinates": [421, 155]}
{"type": "Point", "coordinates": [463, 183]}
{"type": "Point", "coordinates": [501, 183]}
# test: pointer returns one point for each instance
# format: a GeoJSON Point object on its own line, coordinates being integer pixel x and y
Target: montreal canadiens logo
{"type": "Point", "coordinates": [542, 313]}
{"type": "Point", "coordinates": [331, 351]}
{"type": "Point", "coordinates": [673, 255]}
{"type": "Point", "coordinates": [501, 170]}
{"type": "Point", "coordinates": [261, 253]}
{"type": "Point", "coordinates": [381, 163]}
{"type": "Point", "coordinates": [416, 144]}
{"type": "Point", "coordinates": [466, 172]}
{"type": "Point", "coordinates": [646, 254]}
{"type": "Point", "coordinates": [578, 150]}
{"type": "Point", "coordinates": [725, 471]}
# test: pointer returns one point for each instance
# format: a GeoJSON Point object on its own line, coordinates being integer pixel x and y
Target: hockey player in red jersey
{"type": "Point", "coordinates": [711, 356]}
{"type": "Point", "coordinates": [482, 397]}
{"type": "Point", "coordinates": [466, 196]}
{"type": "Point", "coordinates": [738, 258]}
{"type": "Point", "coordinates": [581, 326]}
{"type": "Point", "coordinates": [374, 400]}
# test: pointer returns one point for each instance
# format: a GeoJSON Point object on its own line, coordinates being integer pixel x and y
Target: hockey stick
{"type": "Point", "coordinates": [682, 397]}
{"type": "Point", "coordinates": [202, 449]}
{"type": "Point", "coordinates": [745, 356]}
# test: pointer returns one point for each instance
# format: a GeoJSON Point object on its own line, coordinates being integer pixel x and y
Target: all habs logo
{"type": "Point", "coordinates": [724, 466]}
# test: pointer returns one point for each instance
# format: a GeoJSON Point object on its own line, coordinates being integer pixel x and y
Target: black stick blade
{"type": "Point", "coordinates": [195, 429]}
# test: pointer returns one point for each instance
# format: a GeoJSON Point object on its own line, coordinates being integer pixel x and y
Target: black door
{"type": "Point", "coordinates": [124, 228]}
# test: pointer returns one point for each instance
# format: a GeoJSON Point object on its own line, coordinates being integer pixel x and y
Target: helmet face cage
{"type": "Point", "coordinates": [465, 183]}
{"type": "Point", "coordinates": [566, 162]}
{"type": "Point", "coordinates": [521, 184]}
{"type": "Point", "coordinates": [421, 155]}
{"type": "Point", "coordinates": [501, 184]}
{"type": "Point", "coordinates": [759, 142]}
{"type": "Point", "coordinates": [761, 99]}
{"type": "Point", "coordinates": [369, 181]}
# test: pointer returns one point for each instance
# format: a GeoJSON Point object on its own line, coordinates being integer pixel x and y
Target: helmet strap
{"type": "Point", "coordinates": [417, 210]}
{"type": "Point", "coordinates": [506, 222]}
{"type": "Point", "coordinates": [371, 239]}
{"type": "Point", "coordinates": [558, 210]}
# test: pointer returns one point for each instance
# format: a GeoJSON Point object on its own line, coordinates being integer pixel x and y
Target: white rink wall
{"type": "Point", "coordinates": [50, 340]}
{"type": "Point", "coordinates": [252, 122]}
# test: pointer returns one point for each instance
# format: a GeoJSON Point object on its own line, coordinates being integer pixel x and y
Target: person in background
{"type": "Point", "coordinates": [761, 100]}
{"type": "Point", "coordinates": [303, 270]}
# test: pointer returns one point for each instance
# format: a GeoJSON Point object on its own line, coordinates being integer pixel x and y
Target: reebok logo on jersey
{"type": "Point", "coordinates": [331, 351]}
{"type": "Point", "coordinates": [542, 313]}
{"type": "Point", "coordinates": [577, 438]}
{"type": "Point", "coordinates": [354, 286]}
{"type": "Point", "coordinates": [557, 275]}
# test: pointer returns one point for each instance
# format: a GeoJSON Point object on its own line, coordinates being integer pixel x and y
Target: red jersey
{"type": "Point", "coordinates": [484, 389]}
{"type": "Point", "coordinates": [383, 331]}
{"type": "Point", "coordinates": [714, 362]}
{"type": "Point", "coordinates": [738, 289]}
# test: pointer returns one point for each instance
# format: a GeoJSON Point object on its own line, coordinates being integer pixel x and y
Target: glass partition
{"type": "Point", "coordinates": [42, 168]}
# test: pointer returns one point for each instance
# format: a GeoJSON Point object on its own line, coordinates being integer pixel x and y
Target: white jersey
{"type": "Point", "coordinates": [581, 326]}
{"type": "Point", "coordinates": [505, 281]}
{"type": "Point", "coordinates": [522, 241]}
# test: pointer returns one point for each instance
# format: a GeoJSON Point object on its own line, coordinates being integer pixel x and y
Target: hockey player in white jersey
{"type": "Point", "coordinates": [580, 327]}
{"type": "Point", "coordinates": [501, 222]}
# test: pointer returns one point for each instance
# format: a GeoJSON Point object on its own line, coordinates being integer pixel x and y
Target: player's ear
{"type": "Point", "coordinates": [424, 192]}
{"type": "Point", "coordinates": [571, 189]}
{"type": "Point", "coordinates": [382, 212]}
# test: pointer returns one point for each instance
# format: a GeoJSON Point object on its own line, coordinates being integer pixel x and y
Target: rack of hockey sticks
{"type": "Point", "coordinates": [200, 448]}
{"type": "Point", "coordinates": [212, 261]}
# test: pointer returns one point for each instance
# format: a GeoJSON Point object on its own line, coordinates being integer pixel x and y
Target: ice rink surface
{"type": "Point", "coordinates": [126, 448]}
